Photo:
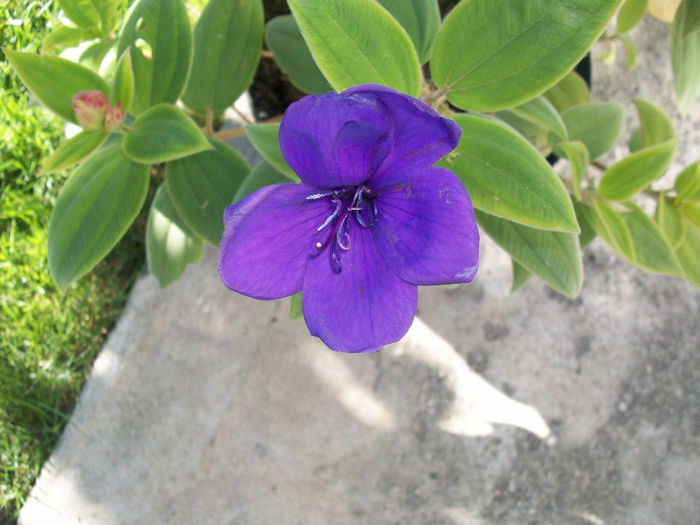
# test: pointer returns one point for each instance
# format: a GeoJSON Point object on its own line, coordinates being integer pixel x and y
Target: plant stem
{"type": "Point", "coordinates": [602, 167]}
{"type": "Point", "coordinates": [230, 133]}
{"type": "Point", "coordinates": [208, 122]}
{"type": "Point", "coordinates": [241, 115]}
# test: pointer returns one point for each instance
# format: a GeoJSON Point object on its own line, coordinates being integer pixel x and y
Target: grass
{"type": "Point", "coordinates": [48, 339]}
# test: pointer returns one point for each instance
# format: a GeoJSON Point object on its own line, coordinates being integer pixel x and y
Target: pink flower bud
{"type": "Point", "coordinates": [90, 108]}
{"type": "Point", "coordinates": [114, 117]}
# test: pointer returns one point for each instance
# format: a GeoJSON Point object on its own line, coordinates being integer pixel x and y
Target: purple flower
{"type": "Point", "coordinates": [371, 219]}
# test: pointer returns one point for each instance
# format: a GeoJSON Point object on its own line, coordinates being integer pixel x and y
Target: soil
{"type": "Point", "coordinates": [271, 90]}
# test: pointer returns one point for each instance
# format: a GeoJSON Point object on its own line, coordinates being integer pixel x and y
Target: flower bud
{"type": "Point", "coordinates": [90, 108]}
{"type": "Point", "coordinates": [114, 117]}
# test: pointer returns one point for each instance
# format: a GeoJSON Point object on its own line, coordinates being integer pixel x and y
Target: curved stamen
{"type": "Point", "coordinates": [343, 244]}
{"type": "Point", "coordinates": [360, 219]}
{"type": "Point", "coordinates": [338, 204]}
{"type": "Point", "coordinates": [357, 198]}
{"type": "Point", "coordinates": [341, 220]}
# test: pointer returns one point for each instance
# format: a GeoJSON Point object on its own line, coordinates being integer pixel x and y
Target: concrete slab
{"type": "Point", "coordinates": [208, 407]}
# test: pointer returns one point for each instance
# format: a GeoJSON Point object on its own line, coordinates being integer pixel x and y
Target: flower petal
{"type": "Point", "coordinates": [426, 230]}
{"type": "Point", "coordinates": [335, 140]}
{"type": "Point", "coordinates": [362, 308]}
{"type": "Point", "coordinates": [421, 136]}
{"type": "Point", "coordinates": [268, 239]}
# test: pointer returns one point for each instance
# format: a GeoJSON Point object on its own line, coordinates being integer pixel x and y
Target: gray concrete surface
{"type": "Point", "coordinates": [208, 407]}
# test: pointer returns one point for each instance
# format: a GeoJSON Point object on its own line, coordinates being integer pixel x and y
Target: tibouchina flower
{"type": "Point", "coordinates": [371, 219]}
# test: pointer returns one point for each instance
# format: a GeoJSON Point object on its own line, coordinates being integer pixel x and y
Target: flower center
{"type": "Point", "coordinates": [355, 201]}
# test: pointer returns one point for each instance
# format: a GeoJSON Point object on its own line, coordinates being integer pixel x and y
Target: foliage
{"type": "Point", "coordinates": [472, 56]}
{"type": "Point", "coordinates": [49, 339]}
{"type": "Point", "coordinates": [507, 66]}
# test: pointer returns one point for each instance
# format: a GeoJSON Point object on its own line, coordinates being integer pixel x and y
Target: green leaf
{"type": "Point", "coordinates": [691, 212]}
{"type": "Point", "coordinates": [632, 234]}
{"type": "Point", "coordinates": [577, 153]}
{"type": "Point", "coordinates": [541, 112]}
{"type": "Point", "coordinates": [538, 121]}
{"type": "Point", "coordinates": [685, 55]}
{"type": "Point", "coordinates": [651, 249]}
{"type": "Point", "coordinates": [108, 14]}
{"type": "Point", "coordinates": [262, 175]}
{"type": "Point", "coordinates": [123, 83]}
{"type": "Point", "coordinates": [631, 174]}
{"type": "Point", "coordinates": [505, 176]}
{"type": "Point", "coordinates": [95, 53]}
{"type": "Point", "coordinates": [670, 220]}
{"type": "Point", "coordinates": [687, 254]}
{"type": "Point", "coordinates": [687, 184]}
{"type": "Point", "coordinates": [159, 38]}
{"type": "Point", "coordinates": [93, 211]}
{"type": "Point", "coordinates": [611, 227]}
{"type": "Point", "coordinates": [170, 244]}
{"type": "Point", "coordinates": [635, 142]}
{"type": "Point", "coordinates": [631, 52]}
{"type": "Point", "coordinates": [688, 15]}
{"type": "Point", "coordinates": [66, 36]}
{"type": "Point", "coordinates": [81, 12]}
{"type": "Point", "coordinates": [493, 55]}
{"type": "Point", "coordinates": [535, 134]}
{"type": "Point", "coordinates": [292, 55]}
{"type": "Point", "coordinates": [227, 43]}
{"type": "Point", "coordinates": [358, 42]}
{"type": "Point", "coordinates": [161, 134]}
{"type": "Point", "coordinates": [521, 275]}
{"type": "Point", "coordinates": [630, 14]}
{"type": "Point", "coordinates": [587, 232]}
{"type": "Point", "coordinates": [54, 80]}
{"type": "Point", "coordinates": [597, 125]}
{"type": "Point", "coordinates": [568, 92]}
{"type": "Point", "coordinates": [656, 124]}
{"type": "Point", "coordinates": [265, 138]}
{"type": "Point", "coordinates": [420, 19]}
{"type": "Point", "coordinates": [607, 56]}
{"type": "Point", "coordinates": [73, 150]}
{"type": "Point", "coordinates": [295, 311]}
{"type": "Point", "coordinates": [201, 186]}
{"type": "Point", "coordinates": [554, 257]}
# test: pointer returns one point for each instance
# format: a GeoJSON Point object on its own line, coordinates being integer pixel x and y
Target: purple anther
{"type": "Point", "coordinates": [335, 263]}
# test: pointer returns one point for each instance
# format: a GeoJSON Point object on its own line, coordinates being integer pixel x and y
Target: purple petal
{"type": "Point", "coordinates": [362, 308]}
{"type": "Point", "coordinates": [335, 140]}
{"type": "Point", "coordinates": [426, 230]}
{"type": "Point", "coordinates": [421, 136]}
{"type": "Point", "coordinates": [268, 239]}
